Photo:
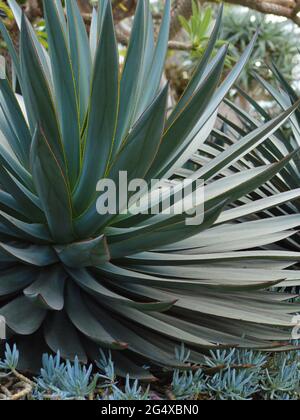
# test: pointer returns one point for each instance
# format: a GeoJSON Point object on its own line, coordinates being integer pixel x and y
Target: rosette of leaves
{"type": "Point", "coordinates": [72, 280]}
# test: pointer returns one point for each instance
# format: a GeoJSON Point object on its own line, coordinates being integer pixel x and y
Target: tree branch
{"type": "Point", "coordinates": [123, 39]}
{"type": "Point", "coordinates": [126, 8]}
{"type": "Point", "coordinates": [84, 6]}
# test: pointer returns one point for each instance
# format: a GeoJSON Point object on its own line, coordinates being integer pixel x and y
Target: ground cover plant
{"type": "Point", "coordinates": [232, 374]}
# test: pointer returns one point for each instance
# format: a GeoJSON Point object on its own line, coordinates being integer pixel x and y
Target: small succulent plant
{"type": "Point", "coordinates": [248, 375]}
{"type": "Point", "coordinates": [187, 385]}
{"type": "Point", "coordinates": [281, 381]}
{"type": "Point", "coordinates": [11, 358]}
{"type": "Point", "coordinates": [132, 391]}
{"type": "Point", "coordinates": [233, 385]}
{"type": "Point", "coordinates": [74, 280]}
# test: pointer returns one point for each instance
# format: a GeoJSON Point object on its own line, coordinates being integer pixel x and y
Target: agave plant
{"type": "Point", "coordinates": [74, 281]}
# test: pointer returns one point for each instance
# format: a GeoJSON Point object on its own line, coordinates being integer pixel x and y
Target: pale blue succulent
{"type": "Point", "coordinates": [284, 381]}
{"type": "Point", "coordinates": [233, 385]}
{"type": "Point", "coordinates": [188, 385]}
{"type": "Point", "coordinates": [11, 358]}
{"type": "Point", "coordinates": [132, 391]}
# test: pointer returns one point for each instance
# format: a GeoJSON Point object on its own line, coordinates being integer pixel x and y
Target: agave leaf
{"type": "Point", "coordinates": [21, 20]}
{"type": "Point", "coordinates": [151, 322]}
{"type": "Point", "coordinates": [279, 144]}
{"type": "Point", "coordinates": [287, 88]}
{"type": "Point", "coordinates": [222, 91]}
{"type": "Point", "coordinates": [259, 205]}
{"type": "Point", "coordinates": [209, 331]}
{"type": "Point", "coordinates": [218, 277]}
{"type": "Point", "coordinates": [155, 70]}
{"type": "Point", "coordinates": [133, 73]}
{"type": "Point", "coordinates": [261, 241]}
{"type": "Point", "coordinates": [87, 282]}
{"type": "Point", "coordinates": [11, 48]}
{"type": "Point", "coordinates": [274, 148]}
{"type": "Point", "coordinates": [287, 91]}
{"type": "Point", "coordinates": [102, 115]}
{"type": "Point", "coordinates": [175, 137]}
{"type": "Point", "coordinates": [263, 332]}
{"type": "Point", "coordinates": [13, 166]}
{"type": "Point", "coordinates": [15, 279]}
{"type": "Point", "coordinates": [256, 106]}
{"type": "Point", "coordinates": [22, 316]}
{"type": "Point", "coordinates": [200, 138]}
{"type": "Point", "coordinates": [80, 56]}
{"type": "Point", "coordinates": [61, 14]}
{"type": "Point", "coordinates": [125, 364]}
{"type": "Point", "coordinates": [231, 188]}
{"type": "Point", "coordinates": [135, 340]}
{"type": "Point", "coordinates": [52, 188]}
{"type": "Point", "coordinates": [39, 256]}
{"type": "Point", "coordinates": [185, 283]}
{"type": "Point", "coordinates": [39, 99]}
{"type": "Point", "coordinates": [193, 245]}
{"type": "Point", "coordinates": [221, 189]}
{"type": "Point", "coordinates": [10, 205]}
{"type": "Point", "coordinates": [94, 34]}
{"type": "Point", "coordinates": [92, 286]}
{"type": "Point", "coordinates": [86, 323]}
{"type": "Point", "coordinates": [282, 100]}
{"type": "Point", "coordinates": [65, 91]}
{"type": "Point", "coordinates": [257, 136]}
{"type": "Point", "coordinates": [248, 230]}
{"type": "Point", "coordinates": [160, 234]}
{"type": "Point", "coordinates": [60, 334]}
{"type": "Point", "coordinates": [48, 289]}
{"type": "Point", "coordinates": [30, 203]}
{"type": "Point", "coordinates": [258, 179]}
{"type": "Point", "coordinates": [132, 281]}
{"type": "Point", "coordinates": [30, 232]}
{"type": "Point", "coordinates": [170, 259]}
{"type": "Point", "coordinates": [20, 138]}
{"type": "Point", "coordinates": [144, 140]}
{"type": "Point", "coordinates": [148, 58]}
{"type": "Point", "coordinates": [85, 253]}
{"type": "Point", "coordinates": [233, 307]}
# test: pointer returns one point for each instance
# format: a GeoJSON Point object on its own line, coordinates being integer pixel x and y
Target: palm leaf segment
{"type": "Point", "coordinates": [76, 281]}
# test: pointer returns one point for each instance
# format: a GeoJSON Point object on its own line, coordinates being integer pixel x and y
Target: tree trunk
{"type": "Point", "coordinates": [85, 6]}
{"type": "Point", "coordinates": [180, 8]}
{"type": "Point", "coordinates": [32, 9]}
